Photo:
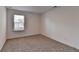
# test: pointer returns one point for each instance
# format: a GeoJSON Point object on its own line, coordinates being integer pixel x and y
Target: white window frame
{"type": "Point", "coordinates": [18, 22]}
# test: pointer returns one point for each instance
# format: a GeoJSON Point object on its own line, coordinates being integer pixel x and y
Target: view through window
{"type": "Point", "coordinates": [18, 22]}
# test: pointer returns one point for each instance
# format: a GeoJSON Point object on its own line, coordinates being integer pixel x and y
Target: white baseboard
{"type": "Point", "coordinates": [23, 36]}
{"type": "Point", "coordinates": [63, 42]}
{"type": "Point", "coordinates": [1, 46]}
{"type": "Point", "coordinates": [70, 45]}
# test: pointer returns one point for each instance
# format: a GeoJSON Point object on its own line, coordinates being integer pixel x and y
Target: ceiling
{"type": "Point", "coordinates": [34, 9]}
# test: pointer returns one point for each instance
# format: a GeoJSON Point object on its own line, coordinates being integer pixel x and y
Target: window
{"type": "Point", "coordinates": [18, 22]}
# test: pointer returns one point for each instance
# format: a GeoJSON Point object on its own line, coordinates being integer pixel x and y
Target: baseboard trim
{"type": "Point", "coordinates": [61, 42]}
{"type": "Point", "coordinates": [23, 36]}
{"type": "Point", "coordinates": [49, 38]}
{"type": "Point", "coordinates": [3, 45]}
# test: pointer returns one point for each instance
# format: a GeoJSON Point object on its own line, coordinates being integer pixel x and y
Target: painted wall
{"type": "Point", "coordinates": [2, 26]}
{"type": "Point", "coordinates": [32, 26]}
{"type": "Point", "coordinates": [62, 24]}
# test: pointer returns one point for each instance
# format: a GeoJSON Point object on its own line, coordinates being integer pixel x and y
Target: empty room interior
{"type": "Point", "coordinates": [39, 28]}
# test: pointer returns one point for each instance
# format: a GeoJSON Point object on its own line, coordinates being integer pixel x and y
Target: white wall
{"type": "Point", "coordinates": [2, 26]}
{"type": "Point", "coordinates": [32, 26]}
{"type": "Point", "coordinates": [62, 24]}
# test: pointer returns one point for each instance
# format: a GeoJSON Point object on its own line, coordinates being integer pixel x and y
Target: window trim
{"type": "Point", "coordinates": [13, 23]}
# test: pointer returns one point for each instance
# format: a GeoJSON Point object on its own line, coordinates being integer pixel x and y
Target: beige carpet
{"type": "Point", "coordinates": [37, 43]}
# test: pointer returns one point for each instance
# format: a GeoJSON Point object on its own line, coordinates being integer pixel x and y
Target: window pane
{"type": "Point", "coordinates": [18, 22]}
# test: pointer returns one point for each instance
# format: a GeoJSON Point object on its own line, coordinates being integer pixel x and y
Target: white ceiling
{"type": "Point", "coordinates": [35, 9]}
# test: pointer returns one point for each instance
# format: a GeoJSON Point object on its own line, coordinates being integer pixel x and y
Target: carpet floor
{"type": "Point", "coordinates": [37, 43]}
